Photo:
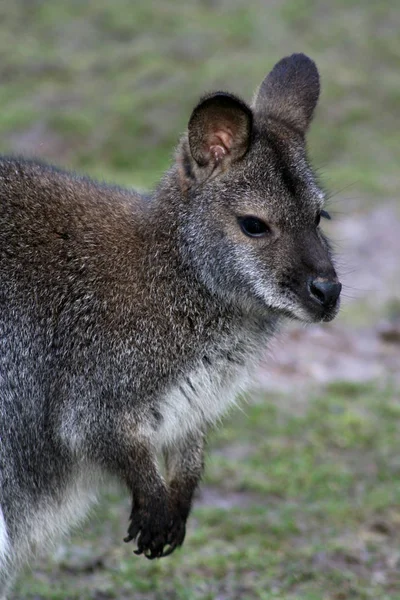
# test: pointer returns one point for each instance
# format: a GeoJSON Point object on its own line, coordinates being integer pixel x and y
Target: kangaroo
{"type": "Point", "coordinates": [129, 323]}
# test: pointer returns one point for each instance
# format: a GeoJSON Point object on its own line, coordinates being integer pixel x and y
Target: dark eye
{"type": "Point", "coordinates": [253, 227]}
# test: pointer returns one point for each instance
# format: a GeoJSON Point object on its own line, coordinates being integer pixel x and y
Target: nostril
{"type": "Point", "coordinates": [318, 293]}
{"type": "Point", "coordinates": [325, 292]}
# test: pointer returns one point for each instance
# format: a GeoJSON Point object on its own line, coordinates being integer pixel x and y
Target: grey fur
{"type": "Point", "coordinates": [128, 323]}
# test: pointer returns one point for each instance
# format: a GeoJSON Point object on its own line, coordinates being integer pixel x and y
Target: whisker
{"type": "Point", "coordinates": [349, 296]}
{"type": "Point", "coordinates": [356, 289]}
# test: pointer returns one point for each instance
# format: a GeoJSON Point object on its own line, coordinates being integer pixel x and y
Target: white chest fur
{"type": "Point", "coordinates": [203, 396]}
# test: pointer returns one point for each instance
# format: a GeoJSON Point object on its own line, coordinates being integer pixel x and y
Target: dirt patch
{"type": "Point", "coordinates": [321, 355]}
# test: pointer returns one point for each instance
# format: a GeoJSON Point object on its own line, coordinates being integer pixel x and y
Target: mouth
{"type": "Point", "coordinates": [309, 307]}
{"type": "Point", "coordinates": [305, 315]}
{"type": "Point", "coordinates": [312, 310]}
{"type": "Point", "coordinates": [331, 313]}
{"type": "Point", "coordinates": [310, 304]}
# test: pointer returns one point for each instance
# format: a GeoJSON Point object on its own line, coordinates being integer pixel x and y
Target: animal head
{"type": "Point", "coordinates": [251, 204]}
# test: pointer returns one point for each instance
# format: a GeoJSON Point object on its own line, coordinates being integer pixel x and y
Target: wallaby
{"type": "Point", "coordinates": [129, 323]}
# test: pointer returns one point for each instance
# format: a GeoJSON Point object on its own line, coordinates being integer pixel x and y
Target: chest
{"type": "Point", "coordinates": [199, 398]}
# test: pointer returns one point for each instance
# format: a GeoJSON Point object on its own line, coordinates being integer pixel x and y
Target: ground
{"type": "Point", "coordinates": [301, 498]}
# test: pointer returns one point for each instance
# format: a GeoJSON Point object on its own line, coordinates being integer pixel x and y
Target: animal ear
{"type": "Point", "coordinates": [290, 92]}
{"type": "Point", "coordinates": [219, 130]}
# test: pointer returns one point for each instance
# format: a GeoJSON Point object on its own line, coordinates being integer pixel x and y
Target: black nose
{"type": "Point", "coordinates": [324, 291]}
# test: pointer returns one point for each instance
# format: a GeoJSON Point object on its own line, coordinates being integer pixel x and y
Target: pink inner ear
{"type": "Point", "coordinates": [224, 137]}
{"type": "Point", "coordinates": [220, 143]}
{"type": "Point", "coordinates": [217, 152]}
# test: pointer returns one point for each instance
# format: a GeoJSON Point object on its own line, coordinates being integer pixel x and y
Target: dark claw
{"type": "Point", "coordinates": [133, 531]}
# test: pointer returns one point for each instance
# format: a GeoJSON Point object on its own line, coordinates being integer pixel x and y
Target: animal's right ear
{"type": "Point", "coordinates": [219, 134]}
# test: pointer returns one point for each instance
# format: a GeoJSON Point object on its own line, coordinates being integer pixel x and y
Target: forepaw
{"type": "Point", "coordinates": [157, 531]}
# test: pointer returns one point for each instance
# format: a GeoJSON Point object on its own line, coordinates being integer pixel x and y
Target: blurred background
{"type": "Point", "coordinates": [301, 498]}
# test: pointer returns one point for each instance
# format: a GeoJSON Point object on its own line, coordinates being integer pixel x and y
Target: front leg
{"type": "Point", "coordinates": [185, 465]}
{"type": "Point", "coordinates": [151, 518]}
{"type": "Point", "coordinates": [154, 520]}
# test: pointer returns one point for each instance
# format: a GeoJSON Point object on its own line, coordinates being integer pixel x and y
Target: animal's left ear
{"type": "Point", "coordinates": [290, 92]}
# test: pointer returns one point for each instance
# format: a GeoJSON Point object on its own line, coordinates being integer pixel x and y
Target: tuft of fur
{"type": "Point", "coordinates": [129, 323]}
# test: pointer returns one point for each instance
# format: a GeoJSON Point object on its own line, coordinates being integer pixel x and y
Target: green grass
{"type": "Point", "coordinates": [312, 512]}
{"type": "Point", "coordinates": [107, 87]}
